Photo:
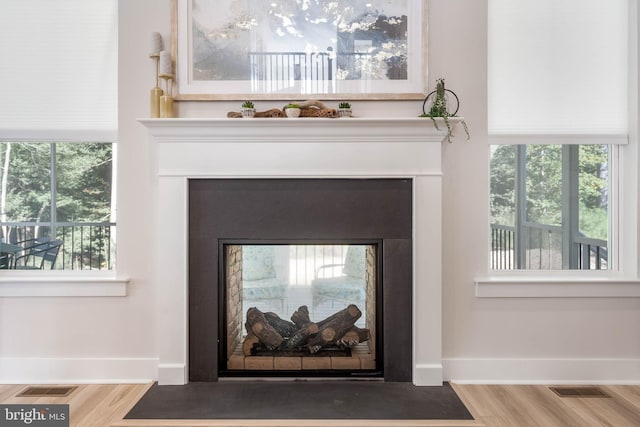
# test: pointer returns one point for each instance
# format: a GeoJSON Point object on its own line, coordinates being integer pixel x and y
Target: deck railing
{"type": "Point", "coordinates": [275, 71]}
{"type": "Point", "coordinates": [541, 248]}
{"type": "Point", "coordinates": [87, 245]}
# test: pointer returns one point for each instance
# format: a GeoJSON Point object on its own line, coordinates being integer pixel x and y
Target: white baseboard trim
{"type": "Point", "coordinates": [424, 374]}
{"type": "Point", "coordinates": [172, 374]}
{"type": "Point", "coordinates": [37, 370]}
{"type": "Point", "coordinates": [542, 371]}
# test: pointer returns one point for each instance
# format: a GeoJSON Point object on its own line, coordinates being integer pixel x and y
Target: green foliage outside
{"type": "Point", "coordinates": [83, 182]}
{"type": "Point", "coordinates": [82, 194]}
{"type": "Point", "coordinates": [543, 186]}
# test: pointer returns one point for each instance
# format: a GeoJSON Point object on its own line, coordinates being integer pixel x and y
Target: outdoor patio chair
{"type": "Point", "coordinates": [349, 287]}
{"type": "Point", "coordinates": [259, 279]}
{"type": "Point", "coordinates": [6, 261]}
{"type": "Point", "coordinates": [39, 253]}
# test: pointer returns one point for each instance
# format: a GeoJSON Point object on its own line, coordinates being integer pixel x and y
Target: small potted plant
{"type": "Point", "coordinates": [344, 109]}
{"type": "Point", "coordinates": [248, 109]}
{"type": "Point", "coordinates": [440, 108]}
{"type": "Point", "coordinates": [292, 110]}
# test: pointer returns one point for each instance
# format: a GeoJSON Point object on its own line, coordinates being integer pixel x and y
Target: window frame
{"type": "Point", "coordinates": [91, 128]}
{"type": "Point", "coordinates": [621, 280]}
{"type": "Point", "coordinates": [64, 283]}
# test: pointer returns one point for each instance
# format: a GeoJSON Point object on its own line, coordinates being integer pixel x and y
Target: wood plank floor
{"type": "Point", "coordinates": [492, 405]}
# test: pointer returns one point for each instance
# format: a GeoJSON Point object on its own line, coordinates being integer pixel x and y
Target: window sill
{"type": "Point", "coordinates": [534, 286]}
{"type": "Point", "coordinates": [62, 284]}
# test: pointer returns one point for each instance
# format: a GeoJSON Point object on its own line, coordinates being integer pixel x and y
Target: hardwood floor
{"type": "Point", "coordinates": [492, 405]}
{"type": "Point", "coordinates": [537, 405]}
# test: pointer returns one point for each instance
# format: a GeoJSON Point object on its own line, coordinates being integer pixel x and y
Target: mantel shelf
{"type": "Point", "coordinates": [299, 130]}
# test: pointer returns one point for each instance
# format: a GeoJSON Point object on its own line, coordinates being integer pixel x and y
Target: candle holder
{"type": "Point", "coordinates": [166, 100]}
{"type": "Point", "coordinates": [156, 92]}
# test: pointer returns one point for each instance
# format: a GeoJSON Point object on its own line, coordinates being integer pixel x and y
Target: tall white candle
{"type": "Point", "coordinates": [156, 43]}
{"type": "Point", "coordinates": [165, 63]}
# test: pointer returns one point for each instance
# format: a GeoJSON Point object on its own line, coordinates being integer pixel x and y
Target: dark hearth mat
{"type": "Point", "coordinates": [300, 400]}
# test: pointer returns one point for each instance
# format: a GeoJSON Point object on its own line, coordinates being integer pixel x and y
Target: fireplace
{"type": "Point", "coordinates": [262, 222]}
{"type": "Point", "coordinates": [194, 151]}
{"type": "Point", "coordinates": [301, 309]}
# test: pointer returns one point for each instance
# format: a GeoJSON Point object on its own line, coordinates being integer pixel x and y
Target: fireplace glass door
{"type": "Point", "coordinates": [300, 310]}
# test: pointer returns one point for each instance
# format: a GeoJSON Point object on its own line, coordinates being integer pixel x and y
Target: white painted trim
{"type": "Point", "coordinates": [428, 375]}
{"type": "Point", "coordinates": [554, 287]}
{"type": "Point", "coordinates": [111, 370]}
{"type": "Point", "coordinates": [172, 374]}
{"type": "Point", "coordinates": [542, 371]}
{"type": "Point", "coordinates": [301, 148]}
{"type": "Point", "coordinates": [49, 284]}
{"type": "Point", "coordinates": [299, 131]}
{"type": "Point", "coordinates": [169, 173]}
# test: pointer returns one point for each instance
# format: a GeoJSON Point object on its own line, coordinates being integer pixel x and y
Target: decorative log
{"type": "Point", "coordinates": [273, 113]}
{"type": "Point", "coordinates": [299, 338]}
{"type": "Point", "coordinates": [283, 327]}
{"type": "Point", "coordinates": [318, 112]}
{"type": "Point", "coordinates": [354, 336]}
{"type": "Point", "coordinates": [315, 108]}
{"type": "Point", "coordinates": [260, 327]}
{"type": "Point", "coordinates": [250, 341]}
{"type": "Point", "coordinates": [301, 316]}
{"type": "Point", "coordinates": [333, 328]}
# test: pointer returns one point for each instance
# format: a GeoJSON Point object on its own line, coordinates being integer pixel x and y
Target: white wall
{"type": "Point", "coordinates": [111, 339]}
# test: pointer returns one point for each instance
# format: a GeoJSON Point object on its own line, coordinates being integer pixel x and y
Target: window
{"type": "Point", "coordinates": [549, 207]}
{"type": "Point", "coordinates": [558, 117]}
{"type": "Point", "coordinates": [59, 191]}
{"type": "Point", "coordinates": [58, 132]}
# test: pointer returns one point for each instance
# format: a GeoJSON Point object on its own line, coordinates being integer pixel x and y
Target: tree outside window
{"type": "Point", "coordinates": [60, 191]}
{"type": "Point", "coordinates": [549, 207]}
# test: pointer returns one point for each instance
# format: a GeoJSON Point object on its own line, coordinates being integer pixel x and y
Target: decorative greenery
{"type": "Point", "coordinates": [440, 109]}
{"type": "Point", "coordinates": [292, 106]}
{"type": "Point", "coordinates": [247, 104]}
{"type": "Point", "coordinates": [345, 105]}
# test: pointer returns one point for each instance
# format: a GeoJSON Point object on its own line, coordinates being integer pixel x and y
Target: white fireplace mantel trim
{"type": "Point", "coordinates": [296, 148]}
{"type": "Point", "coordinates": [298, 131]}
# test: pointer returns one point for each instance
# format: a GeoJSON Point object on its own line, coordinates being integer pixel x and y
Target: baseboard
{"type": "Point", "coordinates": [542, 371]}
{"type": "Point", "coordinates": [425, 375]}
{"type": "Point", "coordinates": [172, 374]}
{"type": "Point", "coordinates": [38, 370]}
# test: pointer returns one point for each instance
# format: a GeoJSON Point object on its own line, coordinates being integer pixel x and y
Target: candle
{"type": "Point", "coordinates": [165, 63]}
{"type": "Point", "coordinates": [156, 43]}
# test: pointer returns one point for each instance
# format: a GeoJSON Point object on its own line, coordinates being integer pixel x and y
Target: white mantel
{"type": "Point", "coordinates": [297, 148]}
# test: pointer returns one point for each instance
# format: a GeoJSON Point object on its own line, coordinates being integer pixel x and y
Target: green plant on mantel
{"type": "Point", "coordinates": [440, 109]}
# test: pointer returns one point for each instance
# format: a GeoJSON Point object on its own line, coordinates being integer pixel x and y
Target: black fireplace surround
{"type": "Point", "coordinates": [313, 210]}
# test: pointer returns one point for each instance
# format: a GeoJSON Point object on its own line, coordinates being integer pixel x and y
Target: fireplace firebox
{"type": "Point", "coordinates": [300, 278]}
{"type": "Point", "coordinates": [300, 309]}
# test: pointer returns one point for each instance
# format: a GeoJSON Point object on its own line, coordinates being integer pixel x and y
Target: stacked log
{"type": "Point", "coordinates": [272, 332]}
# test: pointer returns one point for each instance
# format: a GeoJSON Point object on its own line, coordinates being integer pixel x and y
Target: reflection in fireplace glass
{"type": "Point", "coordinates": [300, 307]}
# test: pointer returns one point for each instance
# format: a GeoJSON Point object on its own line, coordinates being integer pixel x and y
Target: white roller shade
{"type": "Point", "coordinates": [558, 66]}
{"type": "Point", "coordinates": [58, 70]}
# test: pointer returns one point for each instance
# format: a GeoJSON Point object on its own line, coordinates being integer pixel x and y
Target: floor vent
{"type": "Point", "coordinates": [579, 392]}
{"type": "Point", "coordinates": [46, 391]}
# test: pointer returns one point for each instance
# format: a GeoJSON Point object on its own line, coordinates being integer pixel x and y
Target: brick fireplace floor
{"type": "Point", "coordinates": [361, 358]}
